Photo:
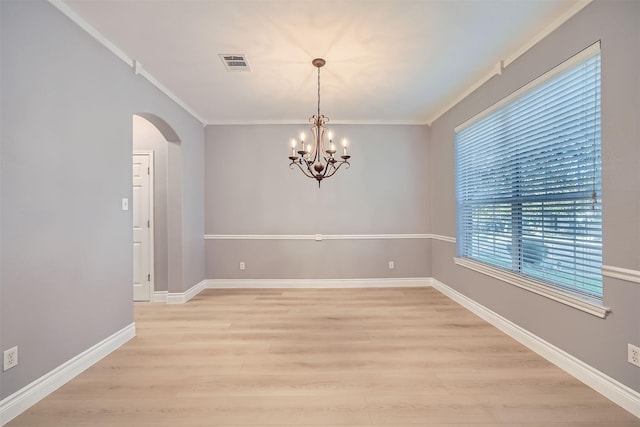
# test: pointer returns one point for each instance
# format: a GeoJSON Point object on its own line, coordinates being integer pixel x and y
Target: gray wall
{"type": "Point", "coordinates": [600, 343]}
{"type": "Point", "coordinates": [250, 190]}
{"type": "Point", "coordinates": [66, 250]}
{"type": "Point", "coordinates": [192, 232]}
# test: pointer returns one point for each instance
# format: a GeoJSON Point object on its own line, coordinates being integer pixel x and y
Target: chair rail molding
{"type": "Point", "coordinates": [320, 237]}
{"type": "Point", "coordinates": [621, 273]}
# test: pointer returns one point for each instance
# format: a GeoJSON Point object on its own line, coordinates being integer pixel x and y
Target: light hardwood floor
{"type": "Point", "coordinates": [321, 357]}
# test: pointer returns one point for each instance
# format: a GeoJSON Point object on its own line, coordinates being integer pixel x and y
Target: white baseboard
{"type": "Point", "coordinates": [18, 402]}
{"type": "Point", "coordinates": [182, 297]}
{"type": "Point", "coordinates": [317, 283]}
{"type": "Point", "coordinates": [159, 296]}
{"type": "Point", "coordinates": [615, 391]}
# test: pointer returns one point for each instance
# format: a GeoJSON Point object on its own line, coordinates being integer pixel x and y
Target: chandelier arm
{"type": "Point", "coordinates": [307, 168]}
{"type": "Point", "coordinates": [337, 167]}
{"type": "Point", "coordinates": [318, 133]}
{"type": "Point", "coordinates": [309, 162]}
{"type": "Point", "coordinates": [326, 157]}
{"type": "Point", "coordinates": [316, 154]}
{"type": "Point", "coordinates": [331, 166]}
{"type": "Point", "coordinates": [311, 168]}
{"type": "Point", "coordinates": [299, 165]}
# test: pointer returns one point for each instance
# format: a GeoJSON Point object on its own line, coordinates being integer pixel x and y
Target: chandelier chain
{"type": "Point", "coordinates": [318, 91]}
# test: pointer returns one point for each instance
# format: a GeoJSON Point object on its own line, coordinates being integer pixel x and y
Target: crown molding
{"type": "Point", "coordinates": [500, 66]}
{"type": "Point", "coordinates": [79, 21]}
{"type": "Point", "coordinates": [560, 19]}
{"type": "Point", "coordinates": [135, 65]}
{"type": "Point", "coordinates": [447, 105]}
{"type": "Point", "coordinates": [306, 122]}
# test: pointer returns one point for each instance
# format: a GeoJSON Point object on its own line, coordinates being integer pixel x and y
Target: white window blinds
{"type": "Point", "coordinates": [528, 180]}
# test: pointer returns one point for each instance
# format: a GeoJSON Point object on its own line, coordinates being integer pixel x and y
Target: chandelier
{"type": "Point", "coordinates": [313, 160]}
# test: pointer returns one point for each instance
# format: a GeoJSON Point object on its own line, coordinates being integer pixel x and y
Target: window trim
{"type": "Point", "coordinates": [591, 305]}
{"type": "Point", "coordinates": [572, 299]}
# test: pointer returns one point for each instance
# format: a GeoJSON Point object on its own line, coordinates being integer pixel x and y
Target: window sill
{"type": "Point", "coordinates": [591, 306]}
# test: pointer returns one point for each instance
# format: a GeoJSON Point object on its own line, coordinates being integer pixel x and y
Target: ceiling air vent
{"type": "Point", "coordinates": [235, 62]}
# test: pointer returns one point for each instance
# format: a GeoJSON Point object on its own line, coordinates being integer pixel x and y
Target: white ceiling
{"type": "Point", "coordinates": [388, 61]}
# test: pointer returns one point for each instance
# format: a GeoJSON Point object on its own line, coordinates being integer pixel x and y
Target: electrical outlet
{"type": "Point", "coordinates": [241, 265]}
{"type": "Point", "coordinates": [10, 358]}
{"type": "Point", "coordinates": [391, 265]}
{"type": "Point", "coordinates": [633, 354]}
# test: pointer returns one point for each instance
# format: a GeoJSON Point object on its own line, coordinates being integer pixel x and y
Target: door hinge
{"type": "Point", "coordinates": [148, 171]}
{"type": "Point", "coordinates": [148, 277]}
{"type": "Point", "coordinates": [148, 224]}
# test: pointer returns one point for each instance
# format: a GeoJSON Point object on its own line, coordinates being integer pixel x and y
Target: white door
{"type": "Point", "coordinates": [142, 235]}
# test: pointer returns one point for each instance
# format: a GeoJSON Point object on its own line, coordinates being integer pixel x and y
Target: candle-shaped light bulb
{"type": "Point", "coordinates": [330, 136]}
{"type": "Point", "coordinates": [332, 147]}
{"type": "Point", "coordinates": [293, 147]}
{"type": "Point", "coordinates": [302, 136]}
{"type": "Point", "coordinates": [344, 144]}
{"type": "Point", "coordinates": [309, 148]}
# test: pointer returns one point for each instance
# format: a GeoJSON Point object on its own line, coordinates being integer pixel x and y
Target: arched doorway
{"type": "Point", "coordinates": [155, 140]}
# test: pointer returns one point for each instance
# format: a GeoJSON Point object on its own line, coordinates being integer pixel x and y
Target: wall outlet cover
{"type": "Point", "coordinates": [633, 355]}
{"type": "Point", "coordinates": [10, 358]}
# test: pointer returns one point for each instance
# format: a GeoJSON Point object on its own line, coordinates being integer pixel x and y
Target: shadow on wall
{"type": "Point", "coordinates": [165, 129]}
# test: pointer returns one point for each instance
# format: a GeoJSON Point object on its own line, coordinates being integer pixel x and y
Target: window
{"type": "Point", "coordinates": [528, 181]}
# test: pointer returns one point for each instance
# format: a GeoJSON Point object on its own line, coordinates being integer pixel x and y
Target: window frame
{"type": "Point", "coordinates": [586, 303]}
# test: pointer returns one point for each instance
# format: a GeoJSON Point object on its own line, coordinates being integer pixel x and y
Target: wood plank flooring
{"type": "Point", "coordinates": [321, 357]}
